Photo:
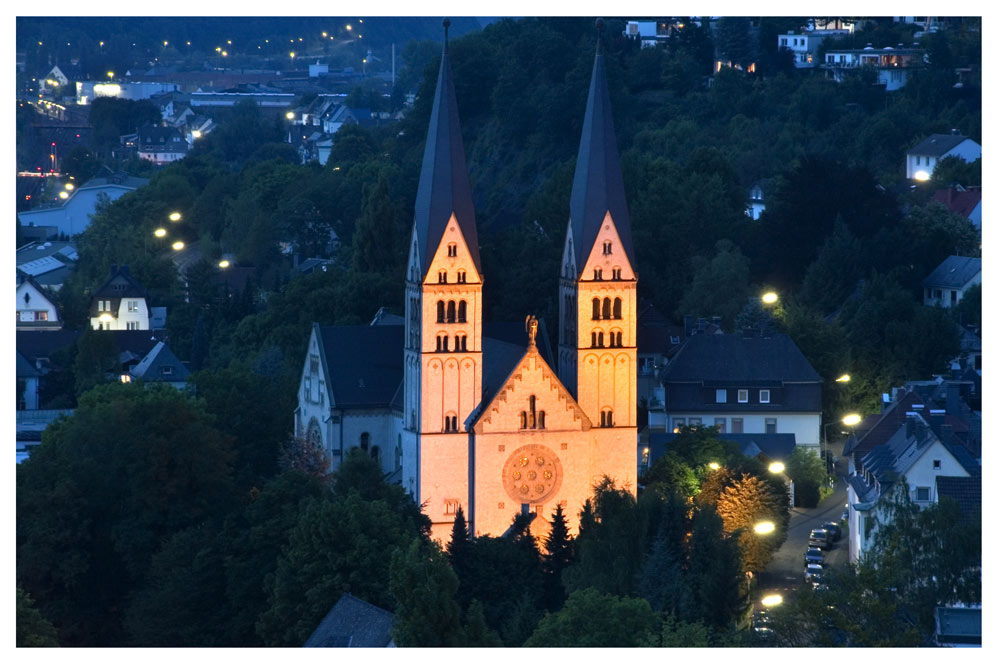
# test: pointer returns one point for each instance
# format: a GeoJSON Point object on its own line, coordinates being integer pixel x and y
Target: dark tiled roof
{"type": "Point", "coordinates": [353, 623]}
{"type": "Point", "coordinates": [734, 358]}
{"type": "Point", "coordinates": [598, 185]}
{"type": "Point", "coordinates": [966, 491]}
{"type": "Point", "coordinates": [957, 201]}
{"type": "Point", "coordinates": [364, 363]}
{"type": "Point", "coordinates": [24, 368]}
{"type": "Point", "coordinates": [954, 272]}
{"type": "Point", "coordinates": [937, 145]}
{"type": "Point", "coordinates": [34, 345]}
{"type": "Point", "coordinates": [152, 365]}
{"type": "Point", "coordinates": [443, 181]}
{"type": "Point", "coordinates": [123, 276]}
{"type": "Point", "coordinates": [881, 427]}
{"type": "Point", "coordinates": [775, 446]}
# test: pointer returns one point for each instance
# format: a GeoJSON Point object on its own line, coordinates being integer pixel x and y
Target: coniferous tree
{"type": "Point", "coordinates": [715, 573]}
{"type": "Point", "coordinates": [460, 543]}
{"type": "Point", "coordinates": [559, 553]}
{"type": "Point", "coordinates": [425, 590]}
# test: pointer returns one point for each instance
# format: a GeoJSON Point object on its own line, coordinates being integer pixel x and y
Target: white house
{"type": "Point", "coordinates": [946, 285]}
{"type": "Point", "coordinates": [891, 65]}
{"type": "Point", "coordinates": [73, 216]}
{"type": "Point", "coordinates": [161, 145]}
{"type": "Point", "coordinates": [911, 460]}
{"type": "Point", "coordinates": [921, 160]}
{"type": "Point", "coordinates": [804, 46]}
{"type": "Point", "coordinates": [742, 383]}
{"type": "Point", "coordinates": [35, 310]}
{"type": "Point", "coordinates": [120, 303]}
{"type": "Point", "coordinates": [756, 204]}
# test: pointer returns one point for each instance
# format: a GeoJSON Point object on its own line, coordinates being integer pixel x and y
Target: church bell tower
{"type": "Point", "coordinates": [597, 354]}
{"type": "Point", "coordinates": [443, 351]}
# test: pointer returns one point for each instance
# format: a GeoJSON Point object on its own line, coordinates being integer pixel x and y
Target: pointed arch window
{"type": "Point", "coordinates": [617, 308]}
{"type": "Point", "coordinates": [606, 308]}
{"type": "Point", "coordinates": [440, 311]}
{"type": "Point", "coordinates": [462, 312]}
{"type": "Point", "coordinates": [451, 311]}
{"type": "Point", "coordinates": [595, 308]}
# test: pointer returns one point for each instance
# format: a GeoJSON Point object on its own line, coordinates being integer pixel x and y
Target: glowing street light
{"type": "Point", "coordinates": [110, 75]}
{"type": "Point", "coordinates": [223, 263]}
{"type": "Point", "coordinates": [159, 232]}
{"type": "Point", "coordinates": [772, 600]}
{"type": "Point", "coordinates": [764, 527]}
{"type": "Point", "coordinates": [63, 195]}
{"type": "Point", "coordinates": [770, 298]}
{"type": "Point", "coordinates": [174, 216]}
{"type": "Point", "coordinates": [105, 318]}
{"type": "Point", "coordinates": [776, 467]}
{"type": "Point", "coordinates": [922, 176]}
{"type": "Point", "coordinates": [70, 186]}
{"type": "Point", "coordinates": [178, 245]}
{"type": "Point", "coordinates": [713, 465]}
{"type": "Point", "coordinates": [844, 378]}
{"type": "Point", "coordinates": [852, 419]}
{"type": "Point", "coordinates": [290, 115]}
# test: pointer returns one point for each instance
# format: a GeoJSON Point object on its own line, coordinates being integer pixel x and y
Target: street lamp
{"type": "Point", "coordinates": [770, 298]}
{"type": "Point", "coordinates": [713, 465]}
{"type": "Point", "coordinates": [844, 378]}
{"type": "Point", "coordinates": [290, 115]}
{"type": "Point", "coordinates": [223, 263]}
{"type": "Point", "coordinates": [174, 216]}
{"type": "Point", "coordinates": [850, 420]}
{"type": "Point", "coordinates": [776, 467]}
{"type": "Point", "coordinates": [178, 245]}
{"type": "Point", "coordinates": [772, 600]}
{"type": "Point", "coordinates": [764, 527]}
{"type": "Point", "coordinates": [159, 232]}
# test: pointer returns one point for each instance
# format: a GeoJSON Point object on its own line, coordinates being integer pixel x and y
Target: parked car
{"type": "Point", "coordinates": [834, 529]}
{"type": "Point", "coordinates": [762, 624]}
{"type": "Point", "coordinates": [813, 555]}
{"type": "Point", "coordinates": [820, 538]}
{"type": "Point", "coordinates": [813, 574]}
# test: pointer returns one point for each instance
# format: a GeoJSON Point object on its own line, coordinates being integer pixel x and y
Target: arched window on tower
{"type": "Point", "coordinates": [606, 308]}
{"type": "Point", "coordinates": [593, 344]}
{"type": "Point", "coordinates": [451, 311]}
{"type": "Point", "coordinates": [523, 419]}
{"type": "Point", "coordinates": [540, 419]}
{"type": "Point", "coordinates": [620, 339]}
{"type": "Point", "coordinates": [606, 417]}
{"type": "Point", "coordinates": [617, 306]}
{"type": "Point", "coordinates": [532, 413]}
{"type": "Point", "coordinates": [462, 276]}
{"type": "Point", "coordinates": [599, 339]}
{"type": "Point", "coordinates": [462, 312]}
{"type": "Point", "coordinates": [440, 311]}
{"type": "Point", "coordinates": [452, 250]}
{"type": "Point", "coordinates": [442, 277]}
{"type": "Point", "coordinates": [376, 453]}
{"type": "Point", "coordinates": [595, 308]}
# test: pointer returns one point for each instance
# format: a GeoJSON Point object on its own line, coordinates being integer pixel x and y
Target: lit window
{"type": "Point", "coordinates": [742, 396]}
{"type": "Point", "coordinates": [763, 396]}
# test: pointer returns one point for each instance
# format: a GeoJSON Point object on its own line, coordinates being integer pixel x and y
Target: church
{"type": "Point", "coordinates": [477, 415]}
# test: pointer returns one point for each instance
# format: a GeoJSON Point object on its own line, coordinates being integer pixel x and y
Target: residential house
{"type": "Point", "coordinates": [658, 340]}
{"type": "Point", "coordinates": [160, 365]}
{"type": "Point", "coordinates": [73, 216]}
{"type": "Point", "coordinates": [921, 160]}
{"type": "Point", "coordinates": [27, 384]}
{"type": "Point", "coordinates": [971, 350]}
{"type": "Point", "coordinates": [958, 626]}
{"type": "Point", "coordinates": [911, 460]}
{"type": "Point", "coordinates": [804, 46]}
{"type": "Point", "coordinates": [946, 285]}
{"type": "Point", "coordinates": [891, 65]}
{"type": "Point", "coordinates": [121, 303]}
{"type": "Point", "coordinates": [649, 33]}
{"type": "Point", "coordinates": [964, 201]}
{"type": "Point", "coordinates": [742, 383]}
{"type": "Point", "coordinates": [757, 199]}
{"type": "Point", "coordinates": [353, 623]}
{"type": "Point", "coordinates": [48, 263]}
{"type": "Point", "coordinates": [87, 91]}
{"type": "Point", "coordinates": [161, 145]}
{"type": "Point", "coordinates": [35, 310]}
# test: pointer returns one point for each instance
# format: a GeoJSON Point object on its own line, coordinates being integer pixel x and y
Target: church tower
{"type": "Point", "coordinates": [597, 355]}
{"type": "Point", "coordinates": [443, 350]}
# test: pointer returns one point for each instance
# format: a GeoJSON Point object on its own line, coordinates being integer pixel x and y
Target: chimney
{"type": "Point", "coordinates": [936, 420]}
{"type": "Point", "coordinates": [952, 399]}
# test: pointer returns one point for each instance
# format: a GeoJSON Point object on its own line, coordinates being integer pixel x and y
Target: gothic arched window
{"type": "Point", "coordinates": [595, 308]}
{"type": "Point", "coordinates": [606, 418]}
{"type": "Point", "coordinates": [617, 305]}
{"type": "Point", "coordinates": [599, 339]}
{"type": "Point", "coordinates": [440, 311]}
{"type": "Point", "coordinates": [451, 311]}
{"type": "Point", "coordinates": [462, 312]}
{"type": "Point", "coordinates": [606, 307]}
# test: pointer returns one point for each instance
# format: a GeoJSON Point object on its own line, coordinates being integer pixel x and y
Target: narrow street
{"type": "Point", "coordinates": [786, 571]}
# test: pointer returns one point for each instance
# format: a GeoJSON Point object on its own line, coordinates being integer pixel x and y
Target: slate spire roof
{"type": "Point", "coordinates": [598, 186]}
{"type": "Point", "coordinates": [443, 182]}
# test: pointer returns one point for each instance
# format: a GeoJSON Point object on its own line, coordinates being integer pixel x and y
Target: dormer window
{"type": "Point", "coordinates": [763, 396]}
{"type": "Point", "coordinates": [452, 250]}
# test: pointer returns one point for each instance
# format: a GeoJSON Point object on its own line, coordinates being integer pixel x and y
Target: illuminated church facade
{"type": "Point", "coordinates": [483, 416]}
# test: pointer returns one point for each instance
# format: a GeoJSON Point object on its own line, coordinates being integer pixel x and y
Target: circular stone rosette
{"type": "Point", "coordinates": [531, 474]}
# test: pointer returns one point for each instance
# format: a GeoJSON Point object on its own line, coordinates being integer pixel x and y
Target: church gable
{"type": "Point", "coordinates": [532, 398]}
{"type": "Point", "coordinates": [452, 263]}
{"type": "Point", "coordinates": [607, 254]}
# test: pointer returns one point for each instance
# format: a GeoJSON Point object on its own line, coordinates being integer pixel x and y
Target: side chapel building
{"type": "Point", "coordinates": [476, 419]}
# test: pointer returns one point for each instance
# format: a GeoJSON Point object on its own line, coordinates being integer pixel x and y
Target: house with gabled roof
{"type": "Point", "coordinates": [921, 159]}
{"type": "Point", "coordinates": [964, 201]}
{"type": "Point", "coordinates": [160, 365]}
{"type": "Point", "coordinates": [73, 216]}
{"type": "Point", "coordinates": [161, 145]}
{"type": "Point", "coordinates": [742, 383]}
{"type": "Point", "coordinates": [946, 285]}
{"type": "Point", "coordinates": [911, 460]}
{"type": "Point", "coordinates": [353, 623]}
{"type": "Point", "coordinates": [35, 309]}
{"type": "Point", "coordinates": [120, 303]}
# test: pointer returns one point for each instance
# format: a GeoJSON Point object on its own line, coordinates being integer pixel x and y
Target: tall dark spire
{"type": "Point", "coordinates": [598, 186]}
{"type": "Point", "coordinates": [443, 182]}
